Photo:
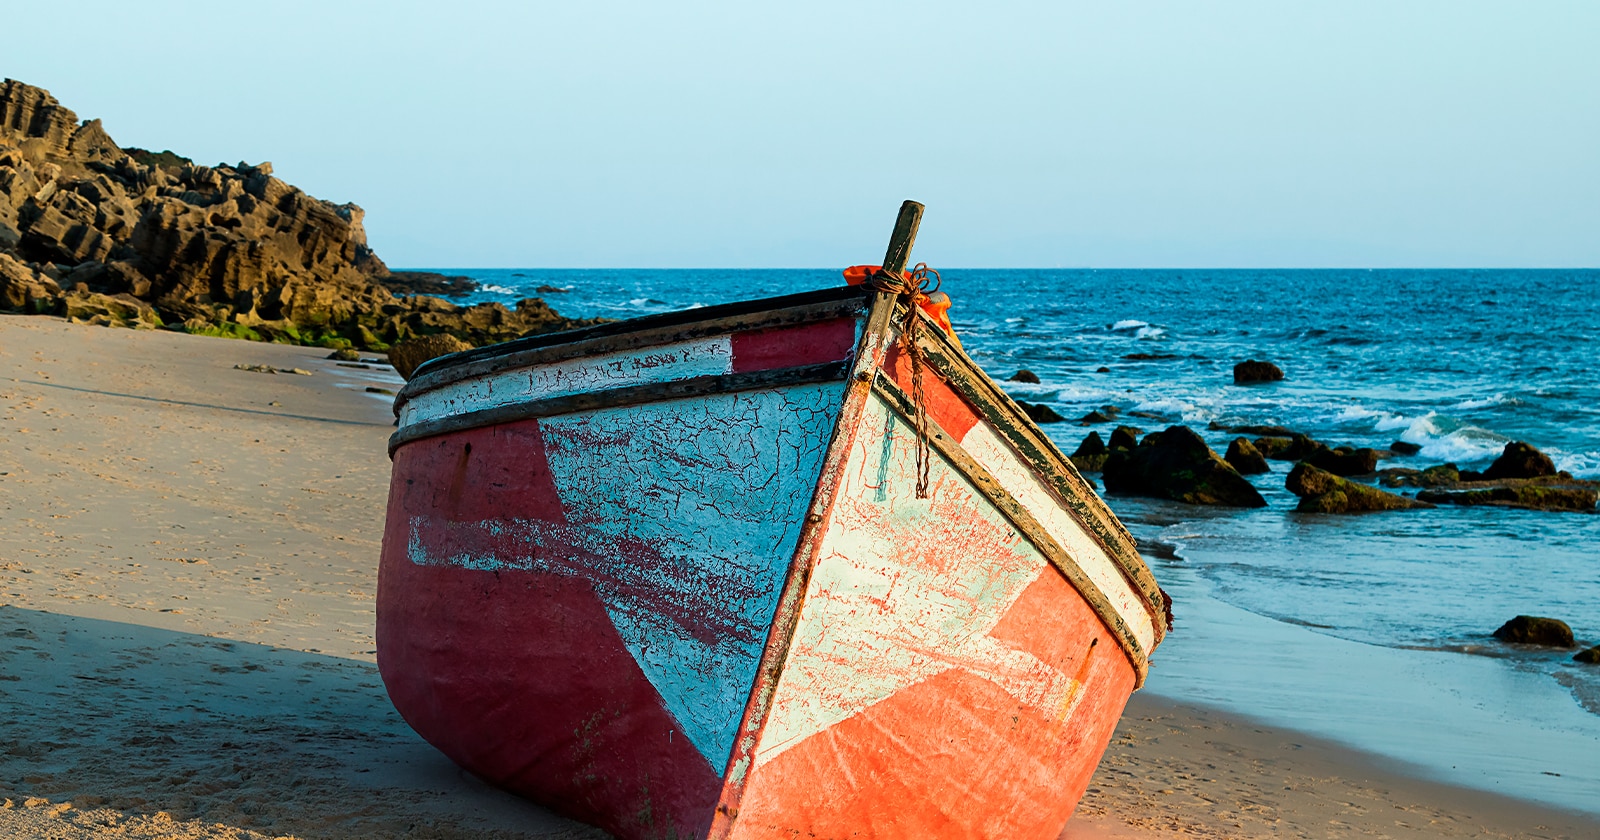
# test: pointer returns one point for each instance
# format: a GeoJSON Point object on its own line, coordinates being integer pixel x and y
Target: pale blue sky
{"type": "Point", "coordinates": [1224, 133]}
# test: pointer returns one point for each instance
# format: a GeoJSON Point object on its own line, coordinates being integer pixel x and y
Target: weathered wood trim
{"type": "Point", "coordinates": [903, 237]}
{"type": "Point", "coordinates": [1024, 521]}
{"type": "Point", "coordinates": [1036, 450]}
{"type": "Point", "coordinates": [635, 333]}
{"type": "Point", "coordinates": [631, 395]}
{"type": "Point", "coordinates": [868, 360]}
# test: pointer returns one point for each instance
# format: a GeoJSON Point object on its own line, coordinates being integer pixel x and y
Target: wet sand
{"type": "Point", "coordinates": [187, 561]}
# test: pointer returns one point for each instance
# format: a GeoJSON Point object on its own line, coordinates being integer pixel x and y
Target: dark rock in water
{"type": "Point", "coordinates": [1403, 448]}
{"type": "Point", "coordinates": [1407, 477]}
{"type": "Point", "coordinates": [1040, 413]}
{"type": "Point", "coordinates": [407, 356]}
{"type": "Point", "coordinates": [1148, 415]}
{"type": "Point", "coordinates": [1102, 369]}
{"type": "Point", "coordinates": [1091, 454]}
{"type": "Point", "coordinates": [371, 389]}
{"type": "Point", "coordinates": [1177, 464]}
{"type": "Point", "coordinates": [1588, 657]}
{"type": "Point", "coordinates": [1526, 496]}
{"type": "Point", "coordinates": [1025, 375]}
{"type": "Point", "coordinates": [1245, 458]}
{"type": "Point", "coordinates": [1535, 630]}
{"type": "Point", "coordinates": [429, 283]}
{"type": "Point", "coordinates": [1094, 417]}
{"type": "Point", "coordinates": [1264, 431]}
{"type": "Point", "coordinates": [1149, 357]}
{"type": "Point", "coordinates": [546, 289]}
{"type": "Point", "coordinates": [1092, 445]}
{"type": "Point", "coordinates": [152, 239]}
{"type": "Point", "coordinates": [345, 354]}
{"type": "Point", "coordinates": [1519, 460]}
{"type": "Point", "coordinates": [1124, 437]}
{"type": "Point", "coordinates": [1250, 370]}
{"type": "Point", "coordinates": [1344, 462]}
{"type": "Point", "coordinates": [1323, 492]}
{"type": "Point", "coordinates": [1297, 447]}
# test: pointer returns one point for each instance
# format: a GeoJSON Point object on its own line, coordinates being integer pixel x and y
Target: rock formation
{"type": "Point", "coordinates": [1250, 370]}
{"type": "Point", "coordinates": [1091, 454]}
{"type": "Point", "coordinates": [1321, 491]}
{"type": "Point", "coordinates": [1040, 413]}
{"type": "Point", "coordinates": [1245, 458]}
{"type": "Point", "coordinates": [1518, 460]}
{"type": "Point", "coordinates": [1536, 630]}
{"type": "Point", "coordinates": [1177, 464]}
{"type": "Point", "coordinates": [1025, 376]}
{"type": "Point", "coordinates": [1124, 437]}
{"type": "Point", "coordinates": [124, 237]}
{"type": "Point", "coordinates": [1526, 495]}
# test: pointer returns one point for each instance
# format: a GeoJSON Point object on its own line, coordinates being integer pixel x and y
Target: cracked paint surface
{"type": "Point", "coordinates": [944, 680]}
{"type": "Point", "coordinates": [906, 589]}
{"type": "Point", "coordinates": [683, 516]}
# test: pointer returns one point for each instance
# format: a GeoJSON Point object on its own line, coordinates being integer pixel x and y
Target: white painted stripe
{"type": "Point", "coordinates": [663, 363]}
{"type": "Point", "coordinates": [1015, 478]}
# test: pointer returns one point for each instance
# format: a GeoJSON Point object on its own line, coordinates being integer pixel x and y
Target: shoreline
{"type": "Point", "coordinates": [187, 554]}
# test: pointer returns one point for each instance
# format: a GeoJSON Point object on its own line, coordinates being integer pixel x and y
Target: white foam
{"type": "Point", "coordinates": [497, 290]}
{"type": "Point", "coordinates": [1497, 399]}
{"type": "Point", "coordinates": [1129, 324]}
{"type": "Point", "coordinates": [1353, 413]}
{"type": "Point", "coordinates": [1464, 445]}
{"type": "Point", "coordinates": [1416, 429]}
{"type": "Point", "coordinates": [1580, 464]}
{"type": "Point", "coordinates": [1148, 332]}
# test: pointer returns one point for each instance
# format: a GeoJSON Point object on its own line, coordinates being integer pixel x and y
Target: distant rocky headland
{"type": "Point", "coordinates": [125, 237]}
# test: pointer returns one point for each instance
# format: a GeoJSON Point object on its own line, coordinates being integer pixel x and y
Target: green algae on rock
{"type": "Point", "coordinates": [1323, 492]}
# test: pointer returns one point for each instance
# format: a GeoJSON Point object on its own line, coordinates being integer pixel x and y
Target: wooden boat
{"type": "Point", "coordinates": [672, 577]}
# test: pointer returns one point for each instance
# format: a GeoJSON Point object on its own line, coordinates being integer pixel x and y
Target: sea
{"type": "Point", "coordinates": [1372, 630]}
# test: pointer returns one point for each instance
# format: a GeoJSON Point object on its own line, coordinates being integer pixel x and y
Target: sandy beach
{"type": "Point", "coordinates": [187, 563]}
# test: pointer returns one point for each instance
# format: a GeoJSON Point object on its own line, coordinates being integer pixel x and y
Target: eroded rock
{"type": "Point", "coordinates": [1177, 464]}
{"type": "Point", "coordinates": [1245, 458]}
{"type": "Point", "coordinates": [223, 250]}
{"type": "Point", "coordinates": [1321, 491]}
{"type": "Point", "coordinates": [407, 356]}
{"type": "Point", "coordinates": [1525, 496]}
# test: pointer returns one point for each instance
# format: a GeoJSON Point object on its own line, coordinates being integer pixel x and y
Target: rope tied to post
{"type": "Point", "coordinates": [913, 288]}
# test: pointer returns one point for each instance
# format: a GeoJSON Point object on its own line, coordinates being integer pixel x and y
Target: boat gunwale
{"type": "Point", "coordinates": [634, 333]}
{"type": "Point", "coordinates": [650, 392]}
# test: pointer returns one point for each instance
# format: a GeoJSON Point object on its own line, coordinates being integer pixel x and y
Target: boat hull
{"type": "Point", "coordinates": [701, 605]}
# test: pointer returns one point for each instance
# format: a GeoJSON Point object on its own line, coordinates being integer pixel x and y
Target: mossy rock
{"type": "Point", "coordinates": [1526, 497]}
{"type": "Point", "coordinates": [1588, 657]}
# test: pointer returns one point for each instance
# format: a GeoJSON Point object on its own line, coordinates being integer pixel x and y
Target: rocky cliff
{"type": "Point", "coordinates": [98, 233]}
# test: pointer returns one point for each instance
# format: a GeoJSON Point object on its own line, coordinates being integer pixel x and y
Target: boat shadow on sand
{"type": "Point", "coordinates": [139, 728]}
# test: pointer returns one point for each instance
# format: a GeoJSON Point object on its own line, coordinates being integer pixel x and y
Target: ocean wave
{"type": "Point", "coordinates": [1580, 464]}
{"type": "Point", "coordinates": [1129, 324]}
{"type": "Point", "coordinates": [1351, 414]}
{"type": "Point", "coordinates": [498, 290]}
{"type": "Point", "coordinates": [1486, 402]}
{"type": "Point", "coordinates": [1148, 332]}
